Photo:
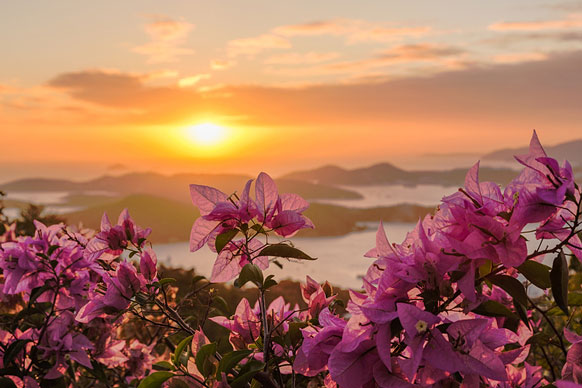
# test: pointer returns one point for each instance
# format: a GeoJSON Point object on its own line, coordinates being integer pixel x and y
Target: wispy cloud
{"type": "Point", "coordinates": [571, 21]}
{"type": "Point", "coordinates": [167, 38]}
{"type": "Point", "coordinates": [192, 80]}
{"type": "Point", "coordinates": [476, 94]}
{"type": "Point", "coordinates": [308, 58]}
{"type": "Point", "coordinates": [511, 58]}
{"type": "Point", "coordinates": [571, 6]}
{"type": "Point", "coordinates": [354, 30]}
{"type": "Point", "coordinates": [221, 64]}
{"type": "Point", "coordinates": [254, 45]}
{"type": "Point", "coordinates": [422, 52]}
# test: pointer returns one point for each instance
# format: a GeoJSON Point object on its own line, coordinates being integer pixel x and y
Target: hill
{"type": "Point", "coordinates": [333, 220]}
{"type": "Point", "coordinates": [388, 174]}
{"type": "Point", "coordinates": [171, 221]}
{"type": "Point", "coordinates": [571, 151]}
{"type": "Point", "coordinates": [173, 187]}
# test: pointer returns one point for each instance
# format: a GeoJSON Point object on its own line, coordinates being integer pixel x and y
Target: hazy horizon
{"type": "Point", "coordinates": [87, 171]}
{"type": "Point", "coordinates": [240, 88]}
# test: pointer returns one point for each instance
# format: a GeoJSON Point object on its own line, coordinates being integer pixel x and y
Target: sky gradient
{"type": "Point", "coordinates": [89, 88]}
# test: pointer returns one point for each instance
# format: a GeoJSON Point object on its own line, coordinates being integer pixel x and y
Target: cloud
{"type": "Point", "coordinates": [511, 38]}
{"type": "Point", "coordinates": [129, 96]}
{"type": "Point", "coordinates": [497, 96]}
{"type": "Point", "coordinates": [221, 64]}
{"type": "Point", "coordinates": [41, 104]}
{"type": "Point", "coordinates": [354, 30]}
{"type": "Point", "coordinates": [192, 80]}
{"type": "Point", "coordinates": [571, 21]}
{"type": "Point", "coordinates": [570, 6]}
{"type": "Point", "coordinates": [308, 58]}
{"type": "Point", "coordinates": [422, 52]}
{"type": "Point", "coordinates": [167, 38]}
{"type": "Point", "coordinates": [520, 57]}
{"type": "Point", "coordinates": [254, 45]}
{"type": "Point", "coordinates": [160, 75]}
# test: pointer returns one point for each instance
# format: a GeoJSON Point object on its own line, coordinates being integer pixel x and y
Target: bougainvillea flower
{"type": "Point", "coordinates": [113, 239]}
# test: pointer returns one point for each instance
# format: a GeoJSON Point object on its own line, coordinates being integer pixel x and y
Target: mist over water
{"type": "Point", "coordinates": [340, 260]}
{"type": "Point", "coordinates": [382, 195]}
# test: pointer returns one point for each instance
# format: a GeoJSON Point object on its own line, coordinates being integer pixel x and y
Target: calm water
{"type": "Point", "coordinates": [340, 260]}
{"type": "Point", "coordinates": [374, 196]}
{"type": "Point", "coordinates": [54, 201]}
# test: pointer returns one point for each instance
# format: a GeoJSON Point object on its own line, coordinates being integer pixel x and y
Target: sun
{"type": "Point", "coordinates": [206, 134]}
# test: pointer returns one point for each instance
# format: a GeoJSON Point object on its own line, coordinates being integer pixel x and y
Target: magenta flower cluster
{"type": "Point", "coordinates": [422, 318]}
{"type": "Point", "coordinates": [74, 298]}
{"type": "Point", "coordinates": [221, 215]}
{"type": "Point", "coordinates": [447, 307]}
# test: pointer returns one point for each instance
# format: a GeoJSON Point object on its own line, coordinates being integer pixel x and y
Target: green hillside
{"type": "Point", "coordinates": [171, 221]}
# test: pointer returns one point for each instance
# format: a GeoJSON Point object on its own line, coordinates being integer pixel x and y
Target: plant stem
{"type": "Point", "coordinates": [266, 331]}
{"type": "Point", "coordinates": [554, 329]}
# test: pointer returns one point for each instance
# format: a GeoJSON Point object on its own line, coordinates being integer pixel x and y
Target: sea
{"type": "Point", "coordinates": [340, 259]}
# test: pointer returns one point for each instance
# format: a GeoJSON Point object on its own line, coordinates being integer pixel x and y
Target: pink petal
{"type": "Point", "coordinates": [201, 231]}
{"type": "Point", "coordinates": [287, 222]}
{"type": "Point", "coordinates": [266, 195]}
{"type": "Point", "coordinates": [472, 183]}
{"type": "Point", "coordinates": [293, 202]}
{"type": "Point", "coordinates": [225, 267]}
{"type": "Point", "coordinates": [206, 197]}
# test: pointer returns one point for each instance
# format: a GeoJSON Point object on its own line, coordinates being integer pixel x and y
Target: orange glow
{"type": "Point", "coordinates": [207, 134]}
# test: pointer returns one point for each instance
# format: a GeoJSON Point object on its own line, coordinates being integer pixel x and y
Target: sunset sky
{"type": "Point", "coordinates": [93, 87]}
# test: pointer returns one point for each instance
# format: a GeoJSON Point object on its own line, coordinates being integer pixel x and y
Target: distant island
{"type": "Point", "coordinates": [389, 174]}
{"type": "Point", "coordinates": [163, 201]}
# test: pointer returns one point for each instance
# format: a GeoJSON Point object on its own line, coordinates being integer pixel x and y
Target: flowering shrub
{"type": "Point", "coordinates": [461, 302]}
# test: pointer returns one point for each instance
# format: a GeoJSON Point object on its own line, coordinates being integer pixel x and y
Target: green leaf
{"type": "Point", "coordinates": [491, 308]}
{"type": "Point", "coordinates": [249, 370]}
{"type": "Point", "coordinates": [521, 311]}
{"type": "Point", "coordinates": [537, 273]}
{"type": "Point", "coordinates": [155, 380]}
{"type": "Point", "coordinates": [180, 384]}
{"type": "Point", "coordinates": [430, 298]}
{"type": "Point", "coordinates": [52, 249]}
{"type": "Point", "coordinates": [512, 286]}
{"type": "Point", "coordinates": [14, 349]}
{"type": "Point", "coordinates": [559, 278]}
{"type": "Point", "coordinates": [203, 355]}
{"type": "Point", "coordinates": [197, 278]}
{"type": "Point", "coordinates": [294, 332]}
{"type": "Point", "coordinates": [220, 303]}
{"type": "Point", "coordinates": [575, 299]}
{"type": "Point", "coordinates": [165, 281]}
{"type": "Point", "coordinates": [54, 383]}
{"type": "Point", "coordinates": [284, 250]}
{"type": "Point", "coordinates": [229, 361]}
{"type": "Point", "coordinates": [276, 262]}
{"type": "Point", "coordinates": [163, 365]}
{"type": "Point", "coordinates": [258, 228]}
{"type": "Point", "coordinates": [250, 273]}
{"type": "Point", "coordinates": [7, 383]}
{"type": "Point", "coordinates": [555, 311]}
{"type": "Point", "coordinates": [486, 268]}
{"type": "Point", "coordinates": [180, 349]}
{"type": "Point", "coordinates": [539, 339]}
{"type": "Point", "coordinates": [224, 238]}
{"type": "Point", "coordinates": [269, 282]}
